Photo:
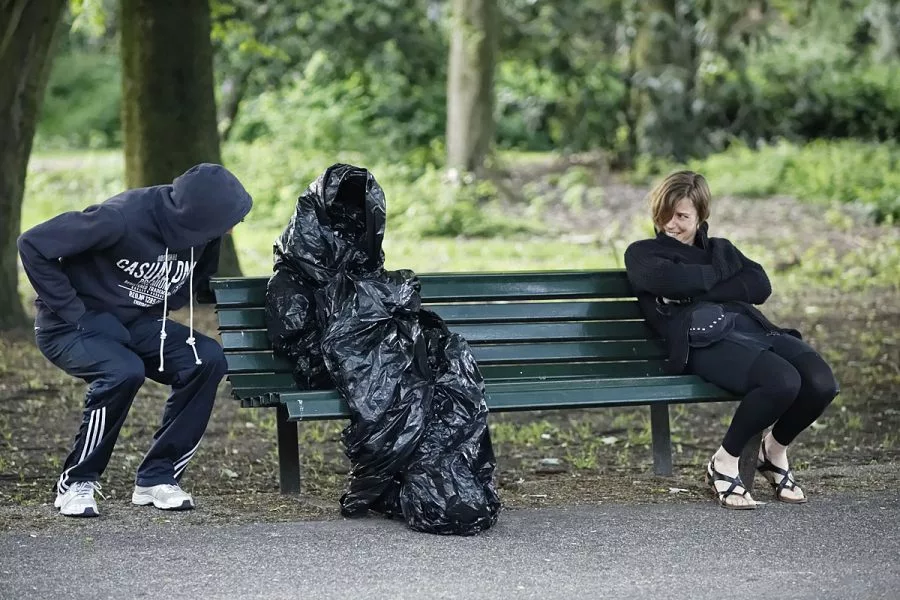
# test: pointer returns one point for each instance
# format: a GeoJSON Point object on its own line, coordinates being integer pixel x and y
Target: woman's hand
{"type": "Point", "coordinates": [726, 259]}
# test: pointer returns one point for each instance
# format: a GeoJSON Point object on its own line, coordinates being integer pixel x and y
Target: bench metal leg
{"type": "Point", "coordinates": [662, 440]}
{"type": "Point", "coordinates": [747, 461]}
{"type": "Point", "coordinates": [288, 453]}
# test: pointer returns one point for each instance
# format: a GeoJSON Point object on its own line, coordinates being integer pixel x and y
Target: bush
{"type": "Point", "coordinates": [538, 109]}
{"type": "Point", "coordinates": [378, 115]}
{"type": "Point", "coordinates": [802, 90]}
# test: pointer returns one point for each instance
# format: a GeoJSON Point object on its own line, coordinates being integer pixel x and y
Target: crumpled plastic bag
{"type": "Point", "coordinates": [418, 440]}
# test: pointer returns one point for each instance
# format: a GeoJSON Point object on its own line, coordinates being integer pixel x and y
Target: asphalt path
{"type": "Point", "coordinates": [839, 547]}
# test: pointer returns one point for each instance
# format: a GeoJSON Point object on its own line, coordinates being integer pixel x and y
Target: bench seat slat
{"type": "Point", "coordinates": [537, 395]}
{"type": "Point", "coordinates": [567, 352]}
{"type": "Point", "coordinates": [246, 362]}
{"type": "Point", "coordinates": [518, 312]}
{"type": "Point", "coordinates": [257, 362]}
{"type": "Point", "coordinates": [261, 380]}
{"type": "Point", "coordinates": [462, 287]}
{"type": "Point", "coordinates": [544, 371]}
{"type": "Point", "coordinates": [251, 385]}
{"type": "Point", "coordinates": [254, 384]}
{"type": "Point", "coordinates": [257, 339]}
{"type": "Point", "coordinates": [467, 287]}
{"type": "Point", "coordinates": [457, 314]}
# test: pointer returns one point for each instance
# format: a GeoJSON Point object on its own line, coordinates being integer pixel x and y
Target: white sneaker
{"type": "Point", "coordinates": [163, 496]}
{"type": "Point", "coordinates": [78, 501]}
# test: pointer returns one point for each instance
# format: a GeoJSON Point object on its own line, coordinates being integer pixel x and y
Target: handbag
{"type": "Point", "coordinates": [709, 324]}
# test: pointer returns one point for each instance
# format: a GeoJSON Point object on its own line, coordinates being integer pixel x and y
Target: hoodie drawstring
{"type": "Point", "coordinates": [162, 331]}
{"type": "Point", "coordinates": [191, 341]}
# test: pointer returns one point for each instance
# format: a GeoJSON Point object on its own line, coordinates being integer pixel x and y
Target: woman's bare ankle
{"type": "Point", "coordinates": [775, 452]}
{"type": "Point", "coordinates": [725, 463]}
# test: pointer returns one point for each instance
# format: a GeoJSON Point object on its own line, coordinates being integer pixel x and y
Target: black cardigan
{"type": "Point", "coordinates": [711, 270]}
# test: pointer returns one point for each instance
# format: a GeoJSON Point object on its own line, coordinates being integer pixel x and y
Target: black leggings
{"type": "Point", "coordinates": [789, 385]}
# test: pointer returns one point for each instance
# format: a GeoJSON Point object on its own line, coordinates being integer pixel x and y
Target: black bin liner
{"type": "Point", "coordinates": [417, 440]}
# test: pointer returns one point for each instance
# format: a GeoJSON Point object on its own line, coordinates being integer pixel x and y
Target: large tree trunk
{"type": "Point", "coordinates": [27, 31]}
{"type": "Point", "coordinates": [168, 105]}
{"type": "Point", "coordinates": [470, 83]}
{"type": "Point", "coordinates": [668, 55]}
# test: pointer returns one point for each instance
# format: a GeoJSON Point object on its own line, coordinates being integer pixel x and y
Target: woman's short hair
{"type": "Point", "coordinates": [678, 185]}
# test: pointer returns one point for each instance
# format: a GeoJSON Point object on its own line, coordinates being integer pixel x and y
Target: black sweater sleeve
{"type": "Point", "coordinates": [750, 284]}
{"type": "Point", "coordinates": [650, 270]}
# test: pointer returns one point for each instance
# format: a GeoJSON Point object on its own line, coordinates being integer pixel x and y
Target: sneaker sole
{"type": "Point", "coordinates": [86, 513]}
{"type": "Point", "coordinates": [147, 501]}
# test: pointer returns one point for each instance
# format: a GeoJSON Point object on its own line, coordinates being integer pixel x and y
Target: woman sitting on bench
{"type": "Point", "coordinates": [698, 293]}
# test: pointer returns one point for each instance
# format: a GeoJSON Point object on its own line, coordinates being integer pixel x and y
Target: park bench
{"type": "Point", "coordinates": [543, 340]}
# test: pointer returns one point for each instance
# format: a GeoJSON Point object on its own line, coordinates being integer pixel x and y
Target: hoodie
{"type": "Point", "coordinates": [136, 250]}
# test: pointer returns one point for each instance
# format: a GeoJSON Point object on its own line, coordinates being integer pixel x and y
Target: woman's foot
{"type": "Point", "coordinates": [773, 465]}
{"type": "Point", "coordinates": [723, 477]}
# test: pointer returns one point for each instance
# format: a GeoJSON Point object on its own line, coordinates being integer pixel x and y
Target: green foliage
{"type": "Point", "coordinates": [81, 103]}
{"type": "Point", "coordinates": [432, 206]}
{"type": "Point", "coordinates": [849, 172]}
{"type": "Point", "coordinates": [539, 109]}
{"type": "Point", "coordinates": [91, 16]}
{"type": "Point", "coordinates": [360, 113]}
{"type": "Point", "coordinates": [261, 47]}
{"type": "Point", "coordinates": [674, 79]}
{"type": "Point", "coordinates": [863, 175]}
{"type": "Point", "coordinates": [807, 89]}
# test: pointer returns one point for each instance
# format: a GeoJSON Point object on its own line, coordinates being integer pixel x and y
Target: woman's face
{"type": "Point", "coordinates": [684, 222]}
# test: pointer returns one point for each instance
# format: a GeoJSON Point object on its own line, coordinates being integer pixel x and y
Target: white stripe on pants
{"type": "Point", "coordinates": [95, 430]}
{"type": "Point", "coordinates": [183, 461]}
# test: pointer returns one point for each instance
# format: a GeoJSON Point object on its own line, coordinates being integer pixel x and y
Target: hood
{"type": "Point", "coordinates": [201, 205]}
{"type": "Point", "coordinates": [338, 224]}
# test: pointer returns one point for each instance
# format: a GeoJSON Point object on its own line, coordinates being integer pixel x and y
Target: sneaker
{"type": "Point", "coordinates": [164, 497]}
{"type": "Point", "coordinates": [78, 501]}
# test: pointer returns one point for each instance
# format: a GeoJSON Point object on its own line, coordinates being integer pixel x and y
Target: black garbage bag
{"type": "Point", "coordinates": [417, 440]}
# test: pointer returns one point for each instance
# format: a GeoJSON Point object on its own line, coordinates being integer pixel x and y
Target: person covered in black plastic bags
{"type": "Point", "coordinates": [699, 292]}
{"type": "Point", "coordinates": [106, 278]}
{"type": "Point", "coordinates": [418, 440]}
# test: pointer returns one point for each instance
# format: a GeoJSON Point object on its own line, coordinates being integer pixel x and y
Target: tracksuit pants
{"type": "Point", "coordinates": [114, 373]}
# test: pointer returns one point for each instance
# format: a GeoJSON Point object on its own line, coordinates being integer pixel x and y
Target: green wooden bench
{"type": "Point", "coordinates": [543, 340]}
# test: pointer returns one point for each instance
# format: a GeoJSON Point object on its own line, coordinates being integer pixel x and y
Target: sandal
{"type": "Point", "coordinates": [712, 476]}
{"type": "Point", "coordinates": [787, 482]}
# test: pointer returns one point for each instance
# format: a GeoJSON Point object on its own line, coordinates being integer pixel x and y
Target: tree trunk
{"type": "Point", "coordinates": [168, 104]}
{"type": "Point", "coordinates": [668, 55]}
{"type": "Point", "coordinates": [232, 94]}
{"type": "Point", "coordinates": [27, 32]}
{"type": "Point", "coordinates": [470, 83]}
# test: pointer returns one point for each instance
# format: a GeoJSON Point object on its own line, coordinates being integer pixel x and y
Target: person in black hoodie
{"type": "Point", "coordinates": [106, 279]}
{"type": "Point", "coordinates": [699, 293]}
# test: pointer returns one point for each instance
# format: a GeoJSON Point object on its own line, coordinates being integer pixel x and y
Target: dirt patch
{"type": "Point", "coordinates": [544, 458]}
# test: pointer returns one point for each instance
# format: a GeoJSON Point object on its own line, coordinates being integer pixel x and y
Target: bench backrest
{"type": "Point", "coordinates": [547, 325]}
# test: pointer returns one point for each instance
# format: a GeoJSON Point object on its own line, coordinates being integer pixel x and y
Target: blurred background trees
{"type": "Point", "coordinates": [675, 78]}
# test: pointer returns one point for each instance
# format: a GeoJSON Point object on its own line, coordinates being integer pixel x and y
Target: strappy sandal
{"type": "Point", "coordinates": [787, 482]}
{"type": "Point", "coordinates": [735, 484]}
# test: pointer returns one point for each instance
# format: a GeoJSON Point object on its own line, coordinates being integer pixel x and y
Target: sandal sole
{"type": "Point", "coordinates": [712, 485]}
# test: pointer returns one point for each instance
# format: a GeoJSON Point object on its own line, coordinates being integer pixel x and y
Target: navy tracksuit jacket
{"type": "Point", "coordinates": [105, 278]}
